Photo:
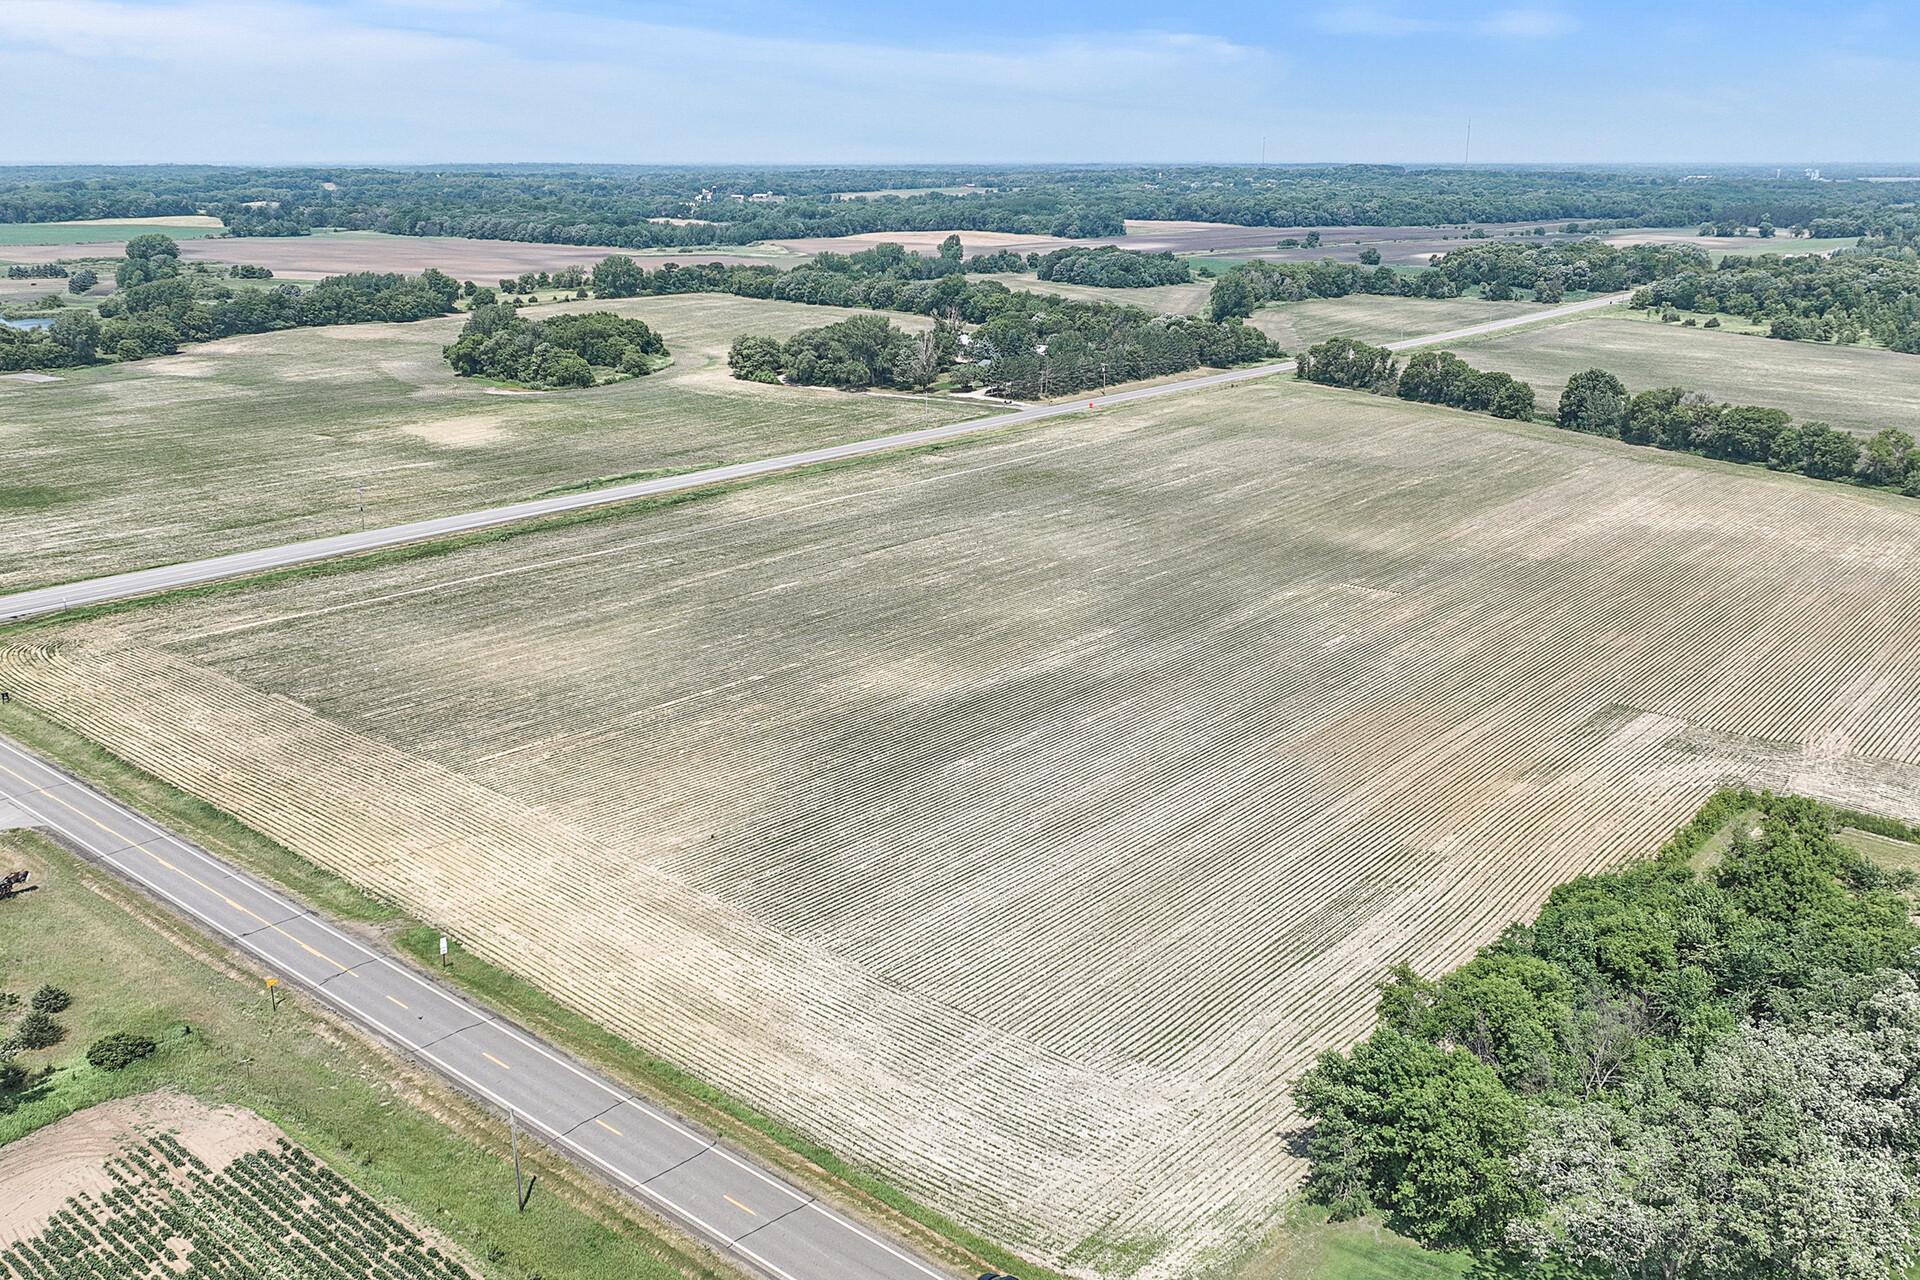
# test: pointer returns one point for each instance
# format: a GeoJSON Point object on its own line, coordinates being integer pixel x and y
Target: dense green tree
{"type": "Point", "coordinates": [616, 276]}
{"type": "Point", "coordinates": [1347, 362]}
{"type": "Point", "coordinates": [1424, 1134]}
{"type": "Point", "coordinates": [77, 336]}
{"type": "Point", "coordinates": [1594, 402]}
{"type": "Point", "coordinates": [1370, 256]}
{"type": "Point", "coordinates": [82, 279]}
{"type": "Point", "coordinates": [149, 257]}
{"type": "Point", "coordinates": [1888, 458]}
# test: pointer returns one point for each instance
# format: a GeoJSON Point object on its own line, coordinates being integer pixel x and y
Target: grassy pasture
{"type": "Point", "coordinates": [1376, 318]}
{"type": "Point", "coordinates": [1071, 790]}
{"type": "Point", "coordinates": [114, 230]}
{"type": "Point", "coordinates": [1854, 387]}
{"type": "Point", "coordinates": [397, 1135]}
{"type": "Point", "coordinates": [1166, 299]}
{"type": "Point", "coordinates": [261, 439]}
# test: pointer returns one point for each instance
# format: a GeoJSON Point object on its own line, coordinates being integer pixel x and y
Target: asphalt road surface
{"type": "Point", "coordinates": [120, 586]}
{"type": "Point", "coordinates": [769, 1225]}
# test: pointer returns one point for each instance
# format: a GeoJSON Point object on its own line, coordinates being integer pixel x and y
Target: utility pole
{"type": "Point", "coordinates": [519, 1185]}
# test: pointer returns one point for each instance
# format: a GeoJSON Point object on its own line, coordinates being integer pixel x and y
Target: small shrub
{"type": "Point", "coordinates": [12, 1075]}
{"type": "Point", "coordinates": [37, 1031]}
{"type": "Point", "coordinates": [51, 999]}
{"type": "Point", "coordinates": [118, 1051]}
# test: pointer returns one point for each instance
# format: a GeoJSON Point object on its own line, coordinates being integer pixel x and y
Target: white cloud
{"type": "Point", "coordinates": [308, 81]}
{"type": "Point", "coordinates": [1366, 20]}
{"type": "Point", "coordinates": [1517, 23]}
{"type": "Point", "coordinates": [1528, 24]}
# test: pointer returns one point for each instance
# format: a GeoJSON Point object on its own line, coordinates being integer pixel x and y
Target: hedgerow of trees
{"type": "Point", "coordinates": [1669, 1073]}
{"type": "Point", "coordinates": [1598, 403]}
{"type": "Point", "coordinates": [1498, 268]}
{"type": "Point", "coordinates": [560, 351]}
{"type": "Point", "coordinates": [1430, 377]}
{"type": "Point", "coordinates": [159, 307]}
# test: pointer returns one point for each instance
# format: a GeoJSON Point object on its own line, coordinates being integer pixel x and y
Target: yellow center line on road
{"type": "Point", "coordinates": [401, 1003]}
{"type": "Point", "coordinates": [736, 1204]}
{"type": "Point", "coordinates": [609, 1128]}
{"type": "Point", "coordinates": [495, 1061]}
{"type": "Point", "coordinates": [71, 808]}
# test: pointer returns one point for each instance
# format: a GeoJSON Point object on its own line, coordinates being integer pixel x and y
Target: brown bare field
{"type": "Point", "coordinates": [269, 438]}
{"type": "Point", "coordinates": [1022, 819]}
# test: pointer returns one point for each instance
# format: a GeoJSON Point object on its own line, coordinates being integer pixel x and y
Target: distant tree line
{"type": "Point", "coordinates": [1674, 1073]}
{"type": "Point", "coordinates": [1844, 298]}
{"type": "Point", "coordinates": [629, 206]}
{"type": "Point", "coordinates": [574, 350]}
{"type": "Point", "coordinates": [1110, 268]}
{"type": "Point", "coordinates": [1430, 377]}
{"type": "Point", "coordinates": [158, 307]}
{"type": "Point", "coordinates": [36, 271]}
{"type": "Point", "coordinates": [1498, 268]}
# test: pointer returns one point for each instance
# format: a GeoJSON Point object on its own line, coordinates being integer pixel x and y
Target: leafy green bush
{"type": "Point", "coordinates": [118, 1051]}
{"type": "Point", "coordinates": [51, 999]}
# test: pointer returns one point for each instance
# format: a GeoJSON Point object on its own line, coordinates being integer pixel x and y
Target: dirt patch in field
{"type": "Point", "coordinates": [29, 377]}
{"type": "Point", "coordinates": [471, 432]}
{"type": "Point", "coordinates": [181, 367]}
{"type": "Point", "coordinates": [40, 1172]}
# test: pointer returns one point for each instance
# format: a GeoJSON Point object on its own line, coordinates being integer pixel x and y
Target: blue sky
{"type": "Point", "coordinates": [398, 81]}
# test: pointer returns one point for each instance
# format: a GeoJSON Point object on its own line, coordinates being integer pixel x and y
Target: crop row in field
{"type": "Point", "coordinates": [1021, 820]}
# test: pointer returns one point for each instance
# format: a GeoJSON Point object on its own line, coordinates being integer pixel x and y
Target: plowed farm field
{"type": "Point", "coordinates": [1022, 819]}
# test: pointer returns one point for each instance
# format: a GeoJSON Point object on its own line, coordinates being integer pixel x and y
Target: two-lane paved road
{"type": "Point", "coordinates": [121, 586]}
{"type": "Point", "coordinates": [770, 1225]}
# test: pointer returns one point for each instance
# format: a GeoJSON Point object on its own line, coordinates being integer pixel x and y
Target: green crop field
{"type": "Point", "coordinates": [263, 439]}
{"type": "Point", "coordinates": [1071, 789]}
{"type": "Point", "coordinates": [1854, 387]}
{"type": "Point", "coordinates": [230, 1076]}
